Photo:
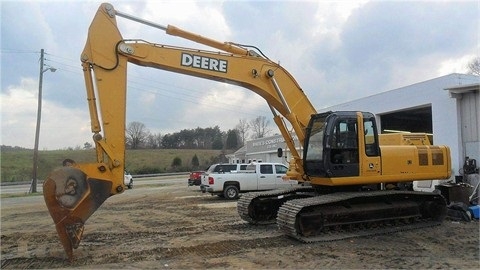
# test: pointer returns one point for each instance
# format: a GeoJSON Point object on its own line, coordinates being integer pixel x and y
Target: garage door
{"type": "Point", "coordinates": [418, 119]}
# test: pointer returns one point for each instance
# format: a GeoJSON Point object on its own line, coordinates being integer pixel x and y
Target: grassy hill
{"type": "Point", "coordinates": [17, 164]}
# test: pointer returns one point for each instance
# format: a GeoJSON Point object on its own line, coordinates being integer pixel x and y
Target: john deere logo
{"type": "Point", "coordinates": [203, 62]}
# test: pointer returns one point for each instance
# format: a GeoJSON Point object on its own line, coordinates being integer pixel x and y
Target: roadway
{"type": "Point", "coordinates": [24, 188]}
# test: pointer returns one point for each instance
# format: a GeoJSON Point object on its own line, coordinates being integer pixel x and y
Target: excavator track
{"type": "Point", "coordinates": [354, 214]}
{"type": "Point", "coordinates": [261, 207]}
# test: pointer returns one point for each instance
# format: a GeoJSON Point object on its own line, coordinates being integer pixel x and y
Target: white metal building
{"type": "Point", "coordinates": [262, 150]}
{"type": "Point", "coordinates": [446, 107]}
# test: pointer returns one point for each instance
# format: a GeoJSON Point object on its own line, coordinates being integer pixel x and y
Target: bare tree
{"type": "Point", "coordinates": [153, 141]}
{"type": "Point", "coordinates": [136, 134]}
{"type": "Point", "coordinates": [242, 128]}
{"type": "Point", "coordinates": [259, 127]}
{"type": "Point", "coordinates": [474, 66]}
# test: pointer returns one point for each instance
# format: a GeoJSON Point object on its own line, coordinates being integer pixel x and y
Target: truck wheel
{"type": "Point", "coordinates": [230, 192]}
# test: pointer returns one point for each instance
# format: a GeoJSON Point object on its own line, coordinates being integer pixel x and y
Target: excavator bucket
{"type": "Point", "coordinates": [71, 198]}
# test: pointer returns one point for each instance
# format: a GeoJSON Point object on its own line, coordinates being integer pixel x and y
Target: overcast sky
{"type": "Point", "coordinates": [337, 51]}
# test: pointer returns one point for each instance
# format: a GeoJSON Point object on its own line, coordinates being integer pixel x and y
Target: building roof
{"type": "Point", "coordinates": [242, 150]}
{"type": "Point", "coordinates": [439, 83]}
{"type": "Point", "coordinates": [458, 90]}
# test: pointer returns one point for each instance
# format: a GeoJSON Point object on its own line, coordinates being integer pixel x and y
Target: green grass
{"type": "Point", "coordinates": [23, 194]}
{"type": "Point", "coordinates": [17, 165]}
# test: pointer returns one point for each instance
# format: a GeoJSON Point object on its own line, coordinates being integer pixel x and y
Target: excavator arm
{"type": "Point", "coordinates": [74, 192]}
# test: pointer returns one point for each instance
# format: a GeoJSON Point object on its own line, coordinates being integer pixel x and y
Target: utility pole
{"type": "Point", "coordinates": [33, 187]}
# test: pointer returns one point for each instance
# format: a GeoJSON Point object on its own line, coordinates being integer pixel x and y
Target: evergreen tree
{"type": "Point", "coordinates": [195, 162]}
{"type": "Point", "coordinates": [217, 143]}
{"type": "Point", "coordinates": [232, 142]}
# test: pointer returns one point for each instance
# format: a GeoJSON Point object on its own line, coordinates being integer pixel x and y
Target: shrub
{"type": "Point", "coordinates": [176, 163]}
{"type": "Point", "coordinates": [146, 170]}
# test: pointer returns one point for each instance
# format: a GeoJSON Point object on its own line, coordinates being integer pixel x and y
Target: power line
{"type": "Point", "coordinates": [137, 83]}
{"type": "Point", "coordinates": [18, 51]}
{"type": "Point", "coordinates": [143, 84]}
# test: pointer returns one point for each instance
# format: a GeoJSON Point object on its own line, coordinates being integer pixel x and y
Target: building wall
{"type": "Point", "coordinates": [264, 150]}
{"type": "Point", "coordinates": [470, 121]}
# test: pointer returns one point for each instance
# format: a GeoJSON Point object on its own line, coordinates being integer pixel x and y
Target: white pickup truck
{"type": "Point", "coordinates": [255, 177]}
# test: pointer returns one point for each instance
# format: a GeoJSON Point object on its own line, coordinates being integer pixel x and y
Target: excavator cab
{"type": "Point", "coordinates": [332, 144]}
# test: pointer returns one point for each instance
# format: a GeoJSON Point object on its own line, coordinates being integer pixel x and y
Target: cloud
{"type": "Point", "coordinates": [182, 103]}
{"type": "Point", "coordinates": [182, 14]}
{"type": "Point", "coordinates": [224, 105]}
{"type": "Point", "coordinates": [23, 19]}
{"type": "Point", "coordinates": [405, 31]}
{"type": "Point", "coordinates": [231, 100]}
{"type": "Point", "coordinates": [456, 64]}
{"type": "Point", "coordinates": [386, 45]}
{"type": "Point", "coordinates": [336, 50]}
{"type": "Point", "coordinates": [60, 126]}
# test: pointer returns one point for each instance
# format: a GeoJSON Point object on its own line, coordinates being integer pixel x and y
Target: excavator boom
{"type": "Point", "coordinates": [74, 192]}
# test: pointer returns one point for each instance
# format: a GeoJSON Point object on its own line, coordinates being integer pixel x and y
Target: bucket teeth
{"type": "Point", "coordinates": [70, 234]}
{"type": "Point", "coordinates": [75, 232]}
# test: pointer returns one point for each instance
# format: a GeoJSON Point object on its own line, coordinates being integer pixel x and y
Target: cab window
{"type": "Point", "coordinates": [280, 169]}
{"type": "Point", "coordinates": [371, 145]}
{"type": "Point", "coordinates": [344, 143]}
{"type": "Point", "coordinates": [266, 169]}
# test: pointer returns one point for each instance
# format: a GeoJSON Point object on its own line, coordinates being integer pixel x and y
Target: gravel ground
{"type": "Point", "coordinates": [172, 226]}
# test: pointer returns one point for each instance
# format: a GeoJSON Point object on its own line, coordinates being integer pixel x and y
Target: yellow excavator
{"type": "Point", "coordinates": [350, 183]}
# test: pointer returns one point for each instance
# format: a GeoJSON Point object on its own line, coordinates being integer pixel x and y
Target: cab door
{"type": "Point", "coordinates": [266, 177]}
{"type": "Point", "coordinates": [370, 153]}
{"type": "Point", "coordinates": [280, 172]}
{"type": "Point", "coordinates": [341, 150]}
